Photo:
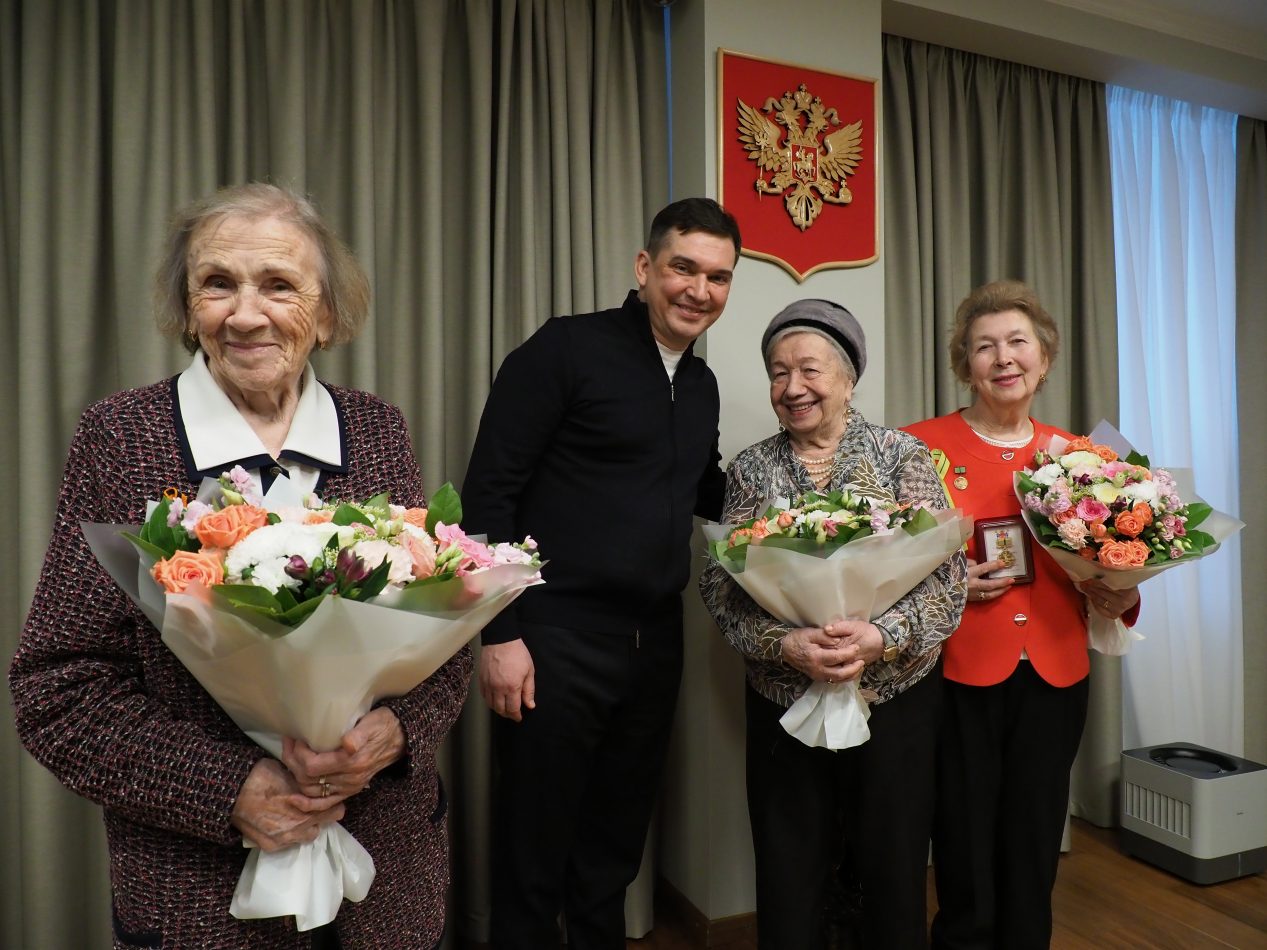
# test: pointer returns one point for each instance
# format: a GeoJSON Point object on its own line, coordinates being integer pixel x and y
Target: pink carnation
{"type": "Point", "coordinates": [1074, 533]}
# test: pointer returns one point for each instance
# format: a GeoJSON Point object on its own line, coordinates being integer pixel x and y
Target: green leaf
{"type": "Point", "coordinates": [347, 514]}
{"type": "Point", "coordinates": [923, 520]}
{"type": "Point", "coordinates": [300, 611]}
{"type": "Point", "coordinates": [153, 550]}
{"type": "Point", "coordinates": [446, 506]}
{"type": "Point", "coordinates": [248, 595]}
{"type": "Point", "coordinates": [373, 585]}
{"type": "Point", "coordinates": [1197, 512]}
{"type": "Point", "coordinates": [156, 531]}
{"type": "Point", "coordinates": [1136, 458]}
{"type": "Point", "coordinates": [286, 598]}
{"type": "Point", "coordinates": [381, 500]}
{"type": "Point", "coordinates": [1026, 483]}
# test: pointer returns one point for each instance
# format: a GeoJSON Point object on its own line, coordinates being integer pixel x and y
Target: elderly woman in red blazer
{"type": "Point", "coordinates": [253, 280]}
{"type": "Point", "coordinates": [1016, 668]}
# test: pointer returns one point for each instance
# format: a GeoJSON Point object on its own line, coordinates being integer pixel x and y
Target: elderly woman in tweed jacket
{"type": "Point", "coordinates": [253, 280]}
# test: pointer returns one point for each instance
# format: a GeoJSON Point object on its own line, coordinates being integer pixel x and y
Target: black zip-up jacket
{"type": "Point", "coordinates": [586, 445]}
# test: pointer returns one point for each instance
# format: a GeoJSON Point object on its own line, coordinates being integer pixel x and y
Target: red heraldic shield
{"type": "Point", "coordinates": [798, 151]}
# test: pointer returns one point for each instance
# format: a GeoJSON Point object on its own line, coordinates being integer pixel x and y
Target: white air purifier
{"type": "Point", "coordinates": [1195, 812]}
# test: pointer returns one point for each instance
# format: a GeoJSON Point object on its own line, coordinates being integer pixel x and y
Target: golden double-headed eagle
{"type": "Point", "coordinates": [805, 172]}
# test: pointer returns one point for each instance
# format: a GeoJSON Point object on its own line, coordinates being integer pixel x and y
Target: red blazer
{"type": "Point", "coordinates": [1046, 619]}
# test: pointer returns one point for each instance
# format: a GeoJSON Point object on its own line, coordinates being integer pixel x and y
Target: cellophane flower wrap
{"type": "Point", "coordinates": [296, 617]}
{"type": "Point", "coordinates": [833, 556]}
{"type": "Point", "coordinates": [1102, 512]}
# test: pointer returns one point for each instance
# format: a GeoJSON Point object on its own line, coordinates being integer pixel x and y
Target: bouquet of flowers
{"type": "Point", "coordinates": [833, 556]}
{"type": "Point", "coordinates": [297, 616]}
{"type": "Point", "coordinates": [1101, 512]}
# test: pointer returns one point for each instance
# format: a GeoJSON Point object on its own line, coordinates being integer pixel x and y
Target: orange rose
{"type": "Point", "coordinates": [319, 517]}
{"type": "Point", "coordinates": [1104, 452]}
{"type": "Point", "coordinates": [1123, 554]}
{"type": "Point", "coordinates": [229, 525]}
{"type": "Point", "coordinates": [785, 519]}
{"type": "Point", "coordinates": [1087, 553]}
{"type": "Point", "coordinates": [1144, 512]}
{"type": "Point", "coordinates": [183, 568]}
{"type": "Point", "coordinates": [737, 534]}
{"type": "Point", "coordinates": [760, 529]}
{"type": "Point", "coordinates": [1061, 517]}
{"type": "Point", "coordinates": [1079, 444]}
{"type": "Point", "coordinates": [1098, 531]}
{"type": "Point", "coordinates": [416, 517]}
{"type": "Point", "coordinates": [1128, 524]}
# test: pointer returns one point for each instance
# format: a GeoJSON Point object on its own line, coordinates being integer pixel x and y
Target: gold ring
{"type": "Point", "coordinates": [325, 787]}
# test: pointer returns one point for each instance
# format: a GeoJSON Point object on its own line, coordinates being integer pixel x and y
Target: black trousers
{"type": "Point", "coordinates": [1003, 790]}
{"type": "Point", "coordinates": [577, 783]}
{"type": "Point", "coordinates": [859, 819]}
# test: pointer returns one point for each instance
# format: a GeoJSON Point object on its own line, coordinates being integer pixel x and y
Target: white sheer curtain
{"type": "Point", "coordinates": [1174, 194]}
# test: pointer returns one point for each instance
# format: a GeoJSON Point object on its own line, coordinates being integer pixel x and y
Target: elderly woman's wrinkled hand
{"type": "Point", "coordinates": [981, 587]}
{"type": "Point", "coordinates": [374, 743]}
{"type": "Point", "coordinates": [1106, 601]}
{"type": "Point", "coordinates": [826, 654]}
{"type": "Point", "coordinates": [272, 811]}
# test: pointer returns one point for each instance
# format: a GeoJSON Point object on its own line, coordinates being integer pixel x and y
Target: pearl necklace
{"type": "Point", "coordinates": [1002, 443]}
{"type": "Point", "coordinates": [820, 470]}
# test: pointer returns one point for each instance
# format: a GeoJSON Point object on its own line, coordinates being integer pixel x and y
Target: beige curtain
{"type": "Point", "coordinates": [993, 169]}
{"type": "Point", "coordinates": [1251, 345]}
{"type": "Point", "coordinates": [491, 162]}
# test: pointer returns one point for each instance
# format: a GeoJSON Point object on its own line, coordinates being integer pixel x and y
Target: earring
{"type": "Point", "coordinates": [1042, 378]}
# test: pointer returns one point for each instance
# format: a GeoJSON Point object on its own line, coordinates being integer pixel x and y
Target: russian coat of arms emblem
{"type": "Point", "coordinates": [798, 162]}
{"type": "Point", "coordinates": [802, 150]}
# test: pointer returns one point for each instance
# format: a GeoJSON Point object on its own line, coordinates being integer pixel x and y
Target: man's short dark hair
{"type": "Point", "coordinates": [692, 214]}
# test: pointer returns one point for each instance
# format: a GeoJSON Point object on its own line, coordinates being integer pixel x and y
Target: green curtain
{"type": "Point", "coordinates": [491, 163]}
{"type": "Point", "coordinates": [1251, 345]}
{"type": "Point", "coordinates": [993, 169]}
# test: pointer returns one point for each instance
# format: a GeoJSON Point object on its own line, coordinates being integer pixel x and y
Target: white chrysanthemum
{"type": "Point", "coordinates": [266, 551]}
{"type": "Point", "coordinates": [1048, 474]}
{"type": "Point", "coordinates": [374, 550]}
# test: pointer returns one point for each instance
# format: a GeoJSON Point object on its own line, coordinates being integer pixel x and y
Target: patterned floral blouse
{"type": "Point", "coordinates": [879, 462]}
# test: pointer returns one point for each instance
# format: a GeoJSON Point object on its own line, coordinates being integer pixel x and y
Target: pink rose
{"type": "Point", "coordinates": [422, 550]}
{"type": "Point", "coordinates": [1091, 510]}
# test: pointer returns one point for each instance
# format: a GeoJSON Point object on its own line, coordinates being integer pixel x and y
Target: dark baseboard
{"type": "Point", "coordinates": [700, 930]}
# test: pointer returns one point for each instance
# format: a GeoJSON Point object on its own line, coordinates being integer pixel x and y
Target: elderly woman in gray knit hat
{"type": "Point", "coordinates": [856, 820]}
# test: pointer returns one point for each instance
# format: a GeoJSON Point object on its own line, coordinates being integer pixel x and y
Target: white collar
{"type": "Point", "coordinates": [218, 436]}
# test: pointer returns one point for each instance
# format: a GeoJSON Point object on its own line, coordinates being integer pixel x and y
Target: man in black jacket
{"type": "Point", "coordinates": [599, 438]}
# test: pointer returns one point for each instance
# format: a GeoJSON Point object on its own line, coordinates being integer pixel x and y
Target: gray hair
{"type": "Point", "coordinates": [345, 289]}
{"type": "Point", "coordinates": [845, 362]}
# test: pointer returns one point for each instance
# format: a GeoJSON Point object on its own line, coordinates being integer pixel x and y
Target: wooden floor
{"type": "Point", "coordinates": [1107, 901]}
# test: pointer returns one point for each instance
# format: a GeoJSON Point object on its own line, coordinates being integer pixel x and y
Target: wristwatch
{"type": "Point", "coordinates": [891, 649]}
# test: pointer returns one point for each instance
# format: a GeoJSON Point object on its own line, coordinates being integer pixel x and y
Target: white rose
{"type": "Point", "coordinates": [1141, 491]}
{"type": "Point", "coordinates": [1048, 474]}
